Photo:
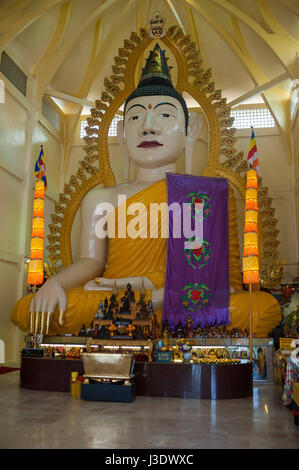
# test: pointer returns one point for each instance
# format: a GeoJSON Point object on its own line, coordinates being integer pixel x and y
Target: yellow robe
{"type": "Point", "coordinates": [128, 257]}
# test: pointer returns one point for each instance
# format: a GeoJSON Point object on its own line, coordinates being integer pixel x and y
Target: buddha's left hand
{"type": "Point", "coordinates": [136, 283]}
{"type": "Point", "coordinates": [121, 283]}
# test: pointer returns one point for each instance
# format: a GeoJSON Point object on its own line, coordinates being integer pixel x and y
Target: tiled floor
{"type": "Point", "coordinates": [47, 420]}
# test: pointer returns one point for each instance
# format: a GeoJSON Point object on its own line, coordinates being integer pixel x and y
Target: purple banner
{"type": "Point", "coordinates": [197, 278]}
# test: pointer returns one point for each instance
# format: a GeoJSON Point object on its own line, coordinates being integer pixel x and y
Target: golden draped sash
{"type": "Point", "coordinates": [130, 257]}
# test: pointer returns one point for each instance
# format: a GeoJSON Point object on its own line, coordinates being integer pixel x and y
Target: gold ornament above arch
{"type": "Point", "coordinates": [196, 81]}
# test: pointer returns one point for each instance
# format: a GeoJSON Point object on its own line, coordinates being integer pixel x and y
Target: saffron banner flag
{"type": "Point", "coordinates": [40, 167]}
{"type": "Point", "coordinates": [252, 154]}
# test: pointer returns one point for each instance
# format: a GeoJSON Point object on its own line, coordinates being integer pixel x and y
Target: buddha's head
{"type": "Point", "coordinates": [156, 127]}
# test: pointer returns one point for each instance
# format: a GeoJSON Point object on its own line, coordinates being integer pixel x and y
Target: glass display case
{"type": "Point", "coordinates": [238, 348]}
{"type": "Point", "coordinates": [262, 357]}
{"type": "Point", "coordinates": [233, 348]}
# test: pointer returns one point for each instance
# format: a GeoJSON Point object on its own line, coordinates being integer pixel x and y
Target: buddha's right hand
{"type": "Point", "coordinates": [47, 298]}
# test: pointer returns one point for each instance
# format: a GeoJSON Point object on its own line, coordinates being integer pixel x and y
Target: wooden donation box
{"type": "Point", "coordinates": [108, 377]}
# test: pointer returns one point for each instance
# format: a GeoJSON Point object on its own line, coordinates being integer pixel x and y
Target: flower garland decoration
{"type": "Point", "coordinates": [196, 201]}
{"type": "Point", "coordinates": [198, 256]}
{"type": "Point", "coordinates": [195, 296]}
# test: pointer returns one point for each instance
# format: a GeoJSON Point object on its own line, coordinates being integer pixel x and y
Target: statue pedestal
{"type": "Point", "coordinates": [182, 380]}
{"type": "Point", "coordinates": [185, 380]}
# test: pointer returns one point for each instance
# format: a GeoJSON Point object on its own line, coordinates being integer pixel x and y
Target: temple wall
{"type": "Point", "coordinates": [13, 118]}
{"type": "Point", "coordinates": [22, 130]}
{"type": "Point", "coordinates": [295, 172]}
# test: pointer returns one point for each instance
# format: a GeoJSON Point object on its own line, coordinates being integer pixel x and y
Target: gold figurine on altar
{"type": "Point", "coordinates": [155, 130]}
{"type": "Point", "coordinates": [125, 318]}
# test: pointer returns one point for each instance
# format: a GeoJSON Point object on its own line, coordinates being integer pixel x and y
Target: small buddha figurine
{"type": "Point", "coordinates": [129, 294]}
{"type": "Point", "coordinates": [150, 308]}
{"type": "Point", "coordinates": [143, 314]}
{"type": "Point", "coordinates": [125, 307]}
{"type": "Point", "coordinates": [141, 301]}
{"type": "Point", "coordinates": [90, 331]}
{"type": "Point", "coordinates": [179, 330]}
{"type": "Point", "coordinates": [142, 291]}
{"type": "Point", "coordinates": [189, 325]}
{"type": "Point", "coordinates": [294, 323]}
{"type": "Point", "coordinates": [82, 331]}
{"type": "Point", "coordinates": [110, 310]}
{"type": "Point", "coordinates": [166, 327]}
{"type": "Point", "coordinates": [139, 333]}
{"type": "Point", "coordinates": [105, 306]}
{"type": "Point", "coordinates": [142, 305]}
{"type": "Point", "coordinates": [100, 313]}
{"type": "Point", "coordinates": [199, 332]}
{"type": "Point", "coordinates": [113, 300]}
{"type": "Point", "coordinates": [102, 333]}
{"type": "Point", "coordinates": [165, 335]}
{"type": "Point", "coordinates": [115, 290]}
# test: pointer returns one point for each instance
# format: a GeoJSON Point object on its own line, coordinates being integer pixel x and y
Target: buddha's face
{"type": "Point", "coordinates": [154, 130]}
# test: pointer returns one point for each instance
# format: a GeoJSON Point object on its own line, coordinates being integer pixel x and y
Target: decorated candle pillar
{"type": "Point", "coordinates": [36, 263]}
{"type": "Point", "coordinates": [251, 253]}
{"type": "Point", "coordinates": [251, 273]}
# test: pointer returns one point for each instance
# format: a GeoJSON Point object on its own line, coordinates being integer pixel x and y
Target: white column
{"type": "Point", "coordinates": [27, 195]}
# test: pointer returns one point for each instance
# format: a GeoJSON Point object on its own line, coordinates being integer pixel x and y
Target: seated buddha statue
{"type": "Point", "coordinates": [155, 131]}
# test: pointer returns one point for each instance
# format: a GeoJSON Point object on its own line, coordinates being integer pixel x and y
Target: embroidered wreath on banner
{"type": "Point", "coordinates": [196, 201]}
{"type": "Point", "coordinates": [195, 296]}
{"type": "Point", "coordinates": [198, 256]}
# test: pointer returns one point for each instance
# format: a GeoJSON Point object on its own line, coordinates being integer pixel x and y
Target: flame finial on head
{"type": "Point", "coordinates": [155, 80]}
{"type": "Point", "coordinates": [156, 66]}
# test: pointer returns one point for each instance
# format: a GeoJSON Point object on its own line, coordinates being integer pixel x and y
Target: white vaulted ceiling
{"type": "Point", "coordinates": [69, 46]}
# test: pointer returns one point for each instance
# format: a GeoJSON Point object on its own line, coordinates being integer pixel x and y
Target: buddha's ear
{"type": "Point", "coordinates": [193, 132]}
{"type": "Point", "coordinates": [123, 148]}
{"type": "Point", "coordinates": [194, 126]}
